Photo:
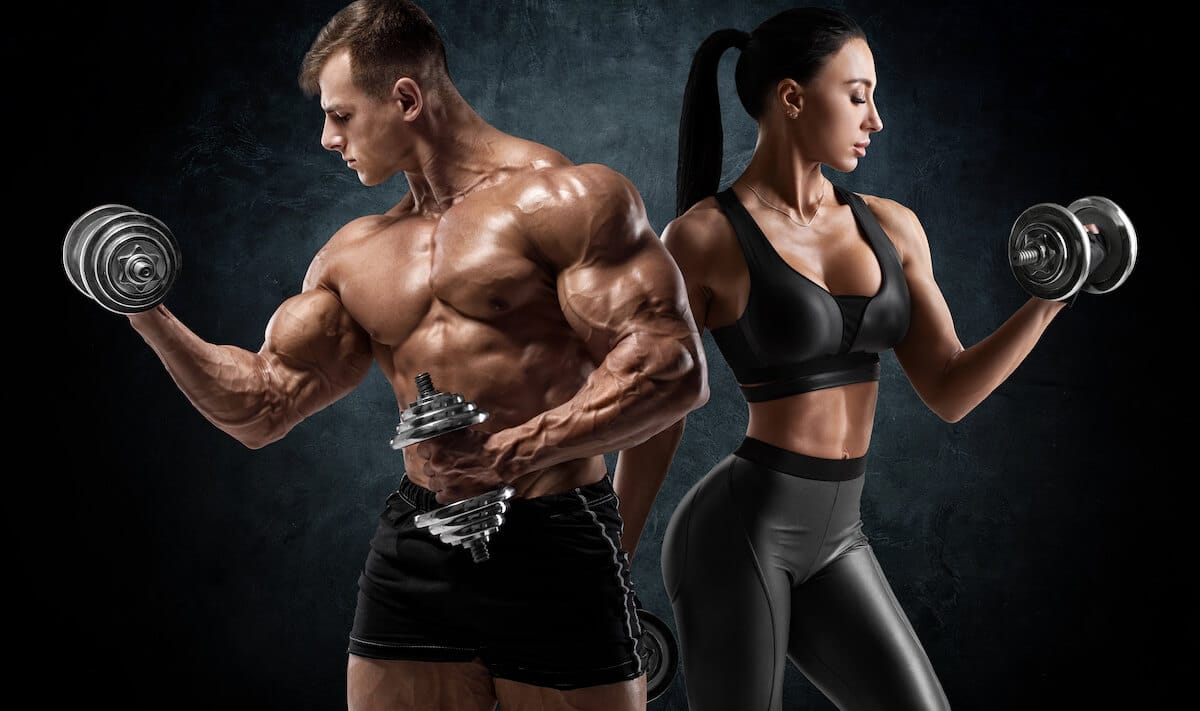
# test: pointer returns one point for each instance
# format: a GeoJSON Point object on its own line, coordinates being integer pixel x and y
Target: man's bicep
{"type": "Point", "coordinates": [636, 291]}
{"type": "Point", "coordinates": [314, 350]}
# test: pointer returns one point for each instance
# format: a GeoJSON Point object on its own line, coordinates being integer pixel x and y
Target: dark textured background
{"type": "Point", "coordinates": [162, 565]}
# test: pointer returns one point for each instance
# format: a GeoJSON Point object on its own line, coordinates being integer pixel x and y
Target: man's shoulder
{"type": "Point", "coordinates": [599, 175]}
{"type": "Point", "coordinates": [360, 228]}
{"type": "Point", "coordinates": [356, 241]}
{"type": "Point", "coordinates": [539, 167]}
{"type": "Point", "coordinates": [589, 186]}
{"type": "Point", "coordinates": [361, 231]}
{"type": "Point", "coordinates": [568, 210]}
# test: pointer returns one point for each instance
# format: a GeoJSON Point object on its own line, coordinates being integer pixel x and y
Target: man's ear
{"type": "Point", "coordinates": [407, 93]}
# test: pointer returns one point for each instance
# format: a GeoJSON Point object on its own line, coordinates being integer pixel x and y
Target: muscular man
{"type": "Point", "coordinates": [534, 287]}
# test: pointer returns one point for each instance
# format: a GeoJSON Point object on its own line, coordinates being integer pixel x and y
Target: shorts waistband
{"type": "Point", "coordinates": [800, 465]}
{"type": "Point", "coordinates": [419, 496]}
{"type": "Point", "coordinates": [425, 500]}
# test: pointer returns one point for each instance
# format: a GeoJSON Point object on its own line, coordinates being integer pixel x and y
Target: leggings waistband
{"type": "Point", "coordinates": [800, 465]}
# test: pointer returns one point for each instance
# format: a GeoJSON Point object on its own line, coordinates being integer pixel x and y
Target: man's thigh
{"type": "Point", "coordinates": [401, 685]}
{"type": "Point", "coordinates": [620, 696]}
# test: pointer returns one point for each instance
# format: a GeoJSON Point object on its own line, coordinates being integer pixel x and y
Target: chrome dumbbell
{"type": "Point", "coordinates": [1054, 256]}
{"type": "Point", "coordinates": [471, 522]}
{"type": "Point", "coordinates": [123, 259]}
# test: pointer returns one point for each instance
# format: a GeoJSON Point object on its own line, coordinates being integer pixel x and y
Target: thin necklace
{"type": "Point", "coordinates": [785, 213]}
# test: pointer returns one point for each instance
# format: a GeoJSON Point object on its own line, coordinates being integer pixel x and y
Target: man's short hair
{"type": "Point", "coordinates": [387, 39]}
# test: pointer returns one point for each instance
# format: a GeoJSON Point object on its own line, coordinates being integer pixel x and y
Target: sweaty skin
{"type": "Point", "coordinates": [530, 285]}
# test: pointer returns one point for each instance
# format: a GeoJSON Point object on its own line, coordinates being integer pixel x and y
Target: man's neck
{"type": "Point", "coordinates": [459, 154]}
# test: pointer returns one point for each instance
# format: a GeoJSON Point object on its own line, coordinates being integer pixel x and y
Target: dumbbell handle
{"type": "Point", "coordinates": [140, 269]}
{"type": "Point", "coordinates": [1043, 251]}
{"type": "Point", "coordinates": [1031, 255]}
{"type": "Point", "coordinates": [425, 389]}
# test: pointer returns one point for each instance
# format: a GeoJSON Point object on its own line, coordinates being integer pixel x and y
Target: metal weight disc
{"type": "Point", "coordinates": [482, 529]}
{"type": "Point", "coordinates": [491, 517]}
{"type": "Point", "coordinates": [435, 416]}
{"type": "Point", "coordinates": [1060, 237]}
{"type": "Point", "coordinates": [1118, 236]}
{"type": "Point", "coordinates": [464, 507]}
{"type": "Point", "coordinates": [135, 266]}
{"type": "Point", "coordinates": [662, 654]}
{"type": "Point", "coordinates": [469, 523]}
{"type": "Point", "coordinates": [435, 408]}
{"type": "Point", "coordinates": [78, 235]}
{"type": "Point", "coordinates": [129, 262]}
{"type": "Point", "coordinates": [407, 433]}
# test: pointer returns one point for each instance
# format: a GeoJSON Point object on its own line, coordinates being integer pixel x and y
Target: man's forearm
{"type": "Point", "coordinates": [226, 384]}
{"type": "Point", "coordinates": [644, 385]}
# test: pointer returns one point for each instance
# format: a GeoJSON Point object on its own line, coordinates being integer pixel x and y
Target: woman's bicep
{"type": "Point", "coordinates": [931, 342]}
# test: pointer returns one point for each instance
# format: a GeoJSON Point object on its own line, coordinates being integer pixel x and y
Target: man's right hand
{"type": "Point", "coordinates": [123, 259]}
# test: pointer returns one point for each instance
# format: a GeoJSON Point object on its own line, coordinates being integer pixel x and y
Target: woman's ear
{"type": "Point", "coordinates": [790, 97]}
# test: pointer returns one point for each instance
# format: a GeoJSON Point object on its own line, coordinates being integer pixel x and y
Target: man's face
{"type": "Point", "coordinates": [370, 135]}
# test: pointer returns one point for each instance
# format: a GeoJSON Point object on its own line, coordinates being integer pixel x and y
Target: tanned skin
{"type": "Point", "coordinates": [829, 121]}
{"type": "Point", "coordinates": [528, 284]}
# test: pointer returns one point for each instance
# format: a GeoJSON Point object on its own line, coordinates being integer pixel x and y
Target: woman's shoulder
{"type": "Point", "coordinates": [898, 221]}
{"type": "Point", "coordinates": [700, 238]}
{"type": "Point", "coordinates": [703, 226]}
{"type": "Point", "coordinates": [886, 208]}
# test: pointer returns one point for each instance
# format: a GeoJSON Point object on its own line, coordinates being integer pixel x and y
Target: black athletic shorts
{"type": "Point", "coordinates": [553, 604]}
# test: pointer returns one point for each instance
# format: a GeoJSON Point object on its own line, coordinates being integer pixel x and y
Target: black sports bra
{"type": "Point", "coordinates": [795, 336]}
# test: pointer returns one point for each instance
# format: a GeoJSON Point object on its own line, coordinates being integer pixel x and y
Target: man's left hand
{"type": "Point", "coordinates": [458, 465]}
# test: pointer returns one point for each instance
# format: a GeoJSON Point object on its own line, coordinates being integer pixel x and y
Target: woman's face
{"type": "Point", "coordinates": [837, 112]}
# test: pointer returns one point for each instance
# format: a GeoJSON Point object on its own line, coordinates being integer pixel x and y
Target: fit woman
{"type": "Point", "coordinates": [802, 284]}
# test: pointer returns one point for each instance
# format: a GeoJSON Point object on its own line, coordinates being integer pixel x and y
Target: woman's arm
{"type": "Point", "coordinates": [951, 379]}
{"type": "Point", "coordinates": [641, 469]}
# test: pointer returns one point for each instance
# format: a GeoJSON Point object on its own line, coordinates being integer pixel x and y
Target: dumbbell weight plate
{"type": "Point", "coordinates": [1066, 269]}
{"type": "Point", "coordinates": [662, 654]}
{"type": "Point", "coordinates": [79, 234]}
{"type": "Point", "coordinates": [130, 262]}
{"type": "Point", "coordinates": [466, 507]}
{"type": "Point", "coordinates": [470, 522]}
{"type": "Point", "coordinates": [1118, 236]}
{"type": "Point", "coordinates": [465, 534]}
{"type": "Point", "coordinates": [435, 416]}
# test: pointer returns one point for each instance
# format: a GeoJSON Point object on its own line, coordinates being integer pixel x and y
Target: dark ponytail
{"type": "Point", "coordinates": [701, 139]}
{"type": "Point", "coordinates": [793, 44]}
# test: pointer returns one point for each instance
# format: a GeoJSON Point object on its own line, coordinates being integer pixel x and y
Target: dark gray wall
{"type": "Point", "coordinates": [1028, 543]}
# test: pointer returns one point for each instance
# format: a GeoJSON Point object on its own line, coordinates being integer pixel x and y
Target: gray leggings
{"type": "Point", "coordinates": [765, 560]}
